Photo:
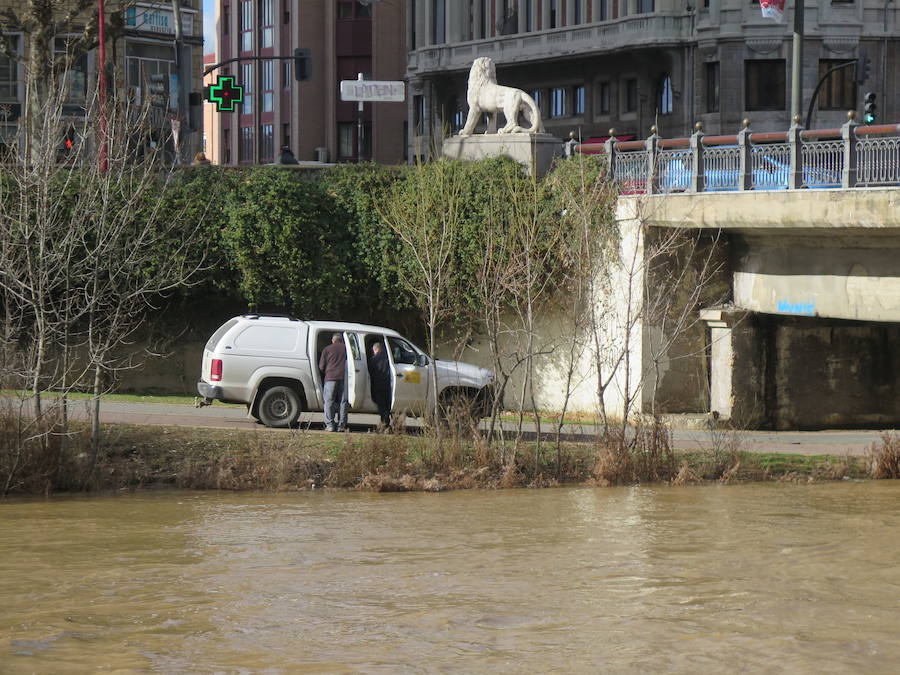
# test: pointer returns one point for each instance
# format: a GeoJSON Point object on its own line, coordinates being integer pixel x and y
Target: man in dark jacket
{"type": "Point", "coordinates": [333, 365]}
{"type": "Point", "coordinates": [381, 380]}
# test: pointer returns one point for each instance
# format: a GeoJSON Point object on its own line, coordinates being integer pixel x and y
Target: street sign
{"type": "Point", "coordinates": [225, 94]}
{"type": "Point", "coordinates": [373, 90]}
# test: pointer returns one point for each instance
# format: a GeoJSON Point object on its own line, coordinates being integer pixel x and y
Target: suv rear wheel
{"type": "Point", "coordinates": [279, 407]}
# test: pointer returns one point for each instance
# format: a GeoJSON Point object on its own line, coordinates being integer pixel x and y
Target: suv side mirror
{"type": "Point", "coordinates": [421, 360]}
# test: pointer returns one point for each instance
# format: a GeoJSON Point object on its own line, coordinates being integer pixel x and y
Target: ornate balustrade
{"type": "Point", "coordinates": [848, 157]}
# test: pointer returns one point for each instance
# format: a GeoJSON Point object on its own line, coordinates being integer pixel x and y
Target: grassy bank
{"type": "Point", "coordinates": [262, 459]}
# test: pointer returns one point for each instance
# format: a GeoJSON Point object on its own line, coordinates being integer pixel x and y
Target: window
{"type": "Point", "coordinates": [287, 74]}
{"type": "Point", "coordinates": [459, 120]}
{"type": "Point", "coordinates": [266, 22]}
{"type": "Point", "coordinates": [266, 143]}
{"type": "Point", "coordinates": [711, 86]}
{"type": "Point", "coordinates": [665, 96]}
{"type": "Point", "coordinates": [631, 95]}
{"type": "Point", "coordinates": [579, 16]}
{"type": "Point", "coordinates": [74, 80]}
{"type": "Point", "coordinates": [402, 351]}
{"type": "Point", "coordinates": [578, 100]}
{"type": "Point", "coordinates": [246, 25]}
{"type": "Point", "coordinates": [558, 102]}
{"type": "Point", "coordinates": [226, 19]}
{"type": "Point", "coordinates": [268, 86]}
{"type": "Point", "coordinates": [247, 82]}
{"type": "Point", "coordinates": [9, 80]}
{"type": "Point", "coordinates": [286, 134]}
{"type": "Point", "coordinates": [764, 84]}
{"type": "Point", "coordinates": [507, 18]}
{"type": "Point", "coordinates": [286, 12]}
{"type": "Point", "coordinates": [529, 18]}
{"type": "Point", "coordinates": [839, 90]}
{"type": "Point", "coordinates": [345, 9]}
{"type": "Point", "coordinates": [645, 7]}
{"type": "Point", "coordinates": [418, 115]}
{"type": "Point", "coordinates": [554, 14]}
{"type": "Point", "coordinates": [603, 90]}
{"type": "Point", "coordinates": [246, 148]}
{"type": "Point", "coordinates": [604, 10]}
{"type": "Point", "coordinates": [438, 25]}
{"type": "Point", "coordinates": [365, 143]}
{"type": "Point", "coordinates": [538, 99]}
{"type": "Point", "coordinates": [345, 140]}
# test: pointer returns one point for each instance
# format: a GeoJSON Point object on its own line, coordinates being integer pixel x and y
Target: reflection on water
{"type": "Point", "coordinates": [754, 578]}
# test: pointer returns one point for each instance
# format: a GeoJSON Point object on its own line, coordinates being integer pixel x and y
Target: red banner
{"type": "Point", "coordinates": [773, 9]}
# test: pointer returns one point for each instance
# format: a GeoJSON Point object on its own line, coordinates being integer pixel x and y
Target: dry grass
{"type": "Point", "coordinates": [884, 457]}
{"type": "Point", "coordinates": [40, 460]}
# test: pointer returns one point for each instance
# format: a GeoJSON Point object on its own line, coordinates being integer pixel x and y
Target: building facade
{"type": "Point", "coordinates": [141, 45]}
{"type": "Point", "coordinates": [345, 38]}
{"type": "Point", "coordinates": [593, 65]}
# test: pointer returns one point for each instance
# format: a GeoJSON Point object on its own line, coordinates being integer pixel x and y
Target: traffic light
{"type": "Point", "coordinates": [159, 90]}
{"type": "Point", "coordinates": [68, 145]}
{"type": "Point", "coordinates": [302, 63]}
{"type": "Point", "coordinates": [870, 108]}
{"type": "Point", "coordinates": [225, 94]}
{"type": "Point", "coordinates": [861, 70]}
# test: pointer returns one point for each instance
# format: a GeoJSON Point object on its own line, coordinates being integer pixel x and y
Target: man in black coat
{"type": "Point", "coordinates": [381, 379]}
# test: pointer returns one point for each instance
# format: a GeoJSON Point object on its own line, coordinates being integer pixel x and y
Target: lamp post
{"type": "Point", "coordinates": [797, 64]}
{"type": "Point", "coordinates": [101, 21]}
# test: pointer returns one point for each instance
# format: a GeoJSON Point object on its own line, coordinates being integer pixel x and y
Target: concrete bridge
{"type": "Point", "coordinates": [799, 314]}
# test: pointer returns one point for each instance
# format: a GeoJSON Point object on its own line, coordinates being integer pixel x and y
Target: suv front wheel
{"type": "Point", "coordinates": [279, 407]}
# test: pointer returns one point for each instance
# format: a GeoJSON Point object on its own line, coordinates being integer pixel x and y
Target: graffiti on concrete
{"type": "Point", "coordinates": [801, 308]}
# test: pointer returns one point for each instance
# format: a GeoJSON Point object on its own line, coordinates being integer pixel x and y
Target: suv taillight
{"type": "Point", "coordinates": [215, 370]}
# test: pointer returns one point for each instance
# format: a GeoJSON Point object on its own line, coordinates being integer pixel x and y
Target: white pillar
{"type": "Point", "coordinates": [721, 395]}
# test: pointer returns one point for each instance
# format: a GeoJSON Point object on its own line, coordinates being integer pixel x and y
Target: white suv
{"type": "Point", "coordinates": [270, 363]}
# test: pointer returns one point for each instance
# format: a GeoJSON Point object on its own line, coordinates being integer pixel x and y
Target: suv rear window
{"type": "Point", "coordinates": [268, 338]}
{"type": "Point", "coordinates": [224, 328]}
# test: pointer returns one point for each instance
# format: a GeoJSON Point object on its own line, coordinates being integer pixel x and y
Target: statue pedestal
{"type": "Point", "coordinates": [533, 151]}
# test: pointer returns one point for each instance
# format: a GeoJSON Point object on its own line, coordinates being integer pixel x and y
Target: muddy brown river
{"type": "Point", "coordinates": [749, 578]}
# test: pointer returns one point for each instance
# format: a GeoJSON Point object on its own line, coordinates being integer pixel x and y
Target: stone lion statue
{"type": "Point", "coordinates": [484, 95]}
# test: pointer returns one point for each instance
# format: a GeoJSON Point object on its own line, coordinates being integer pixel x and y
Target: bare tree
{"type": "Point", "coordinates": [424, 214]}
{"type": "Point", "coordinates": [86, 252]}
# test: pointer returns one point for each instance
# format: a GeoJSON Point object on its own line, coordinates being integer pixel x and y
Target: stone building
{"type": "Point", "coordinates": [345, 38]}
{"type": "Point", "coordinates": [142, 46]}
{"type": "Point", "coordinates": [629, 64]}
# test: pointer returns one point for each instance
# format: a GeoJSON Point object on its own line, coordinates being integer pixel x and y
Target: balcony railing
{"type": "Point", "coordinates": [848, 157]}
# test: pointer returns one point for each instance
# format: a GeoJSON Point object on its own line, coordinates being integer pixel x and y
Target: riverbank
{"type": "Point", "coordinates": [135, 456]}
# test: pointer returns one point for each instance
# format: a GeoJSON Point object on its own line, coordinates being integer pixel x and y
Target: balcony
{"type": "Point", "coordinates": [644, 30]}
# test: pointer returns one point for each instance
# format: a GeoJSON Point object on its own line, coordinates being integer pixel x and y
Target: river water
{"type": "Point", "coordinates": [752, 578]}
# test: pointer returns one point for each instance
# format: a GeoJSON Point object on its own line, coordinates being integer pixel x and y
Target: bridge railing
{"type": "Point", "coordinates": [846, 157]}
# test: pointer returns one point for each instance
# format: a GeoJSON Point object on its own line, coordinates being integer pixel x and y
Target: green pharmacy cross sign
{"type": "Point", "coordinates": [225, 94]}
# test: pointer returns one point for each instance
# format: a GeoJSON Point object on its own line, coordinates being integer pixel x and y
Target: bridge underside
{"type": "Point", "coordinates": [807, 331]}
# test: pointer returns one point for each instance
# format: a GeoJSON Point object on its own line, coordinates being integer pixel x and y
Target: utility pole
{"type": "Point", "coordinates": [797, 64]}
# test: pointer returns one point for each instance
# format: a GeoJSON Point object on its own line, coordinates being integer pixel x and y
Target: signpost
{"type": "Point", "coordinates": [376, 91]}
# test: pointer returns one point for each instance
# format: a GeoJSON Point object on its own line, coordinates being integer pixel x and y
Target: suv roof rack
{"type": "Point", "coordinates": [264, 315]}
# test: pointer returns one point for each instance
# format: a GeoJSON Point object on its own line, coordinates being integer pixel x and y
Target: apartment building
{"type": "Point", "coordinates": [345, 38]}
{"type": "Point", "coordinates": [140, 43]}
{"type": "Point", "coordinates": [593, 65]}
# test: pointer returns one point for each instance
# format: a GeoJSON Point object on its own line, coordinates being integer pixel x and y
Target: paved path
{"type": "Point", "coordinates": [235, 417]}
